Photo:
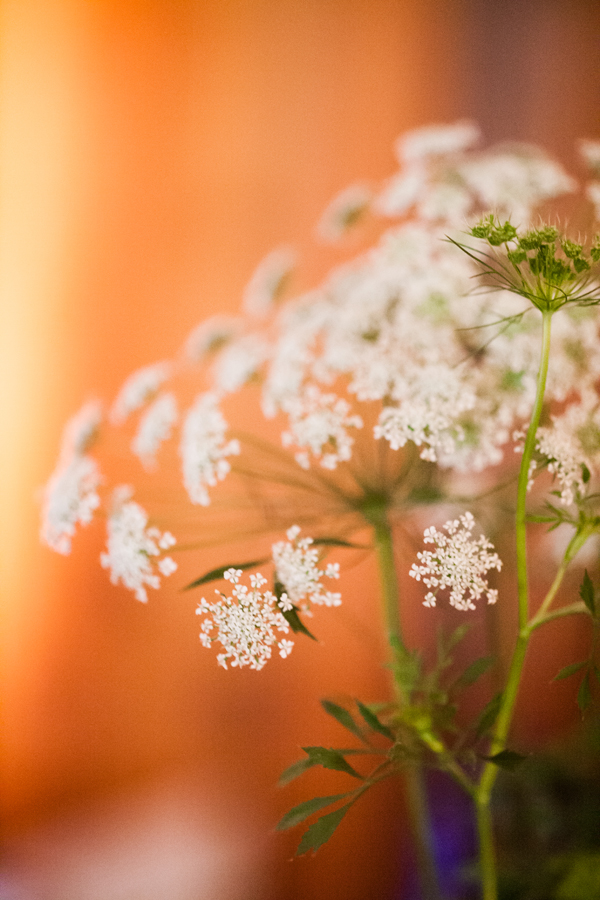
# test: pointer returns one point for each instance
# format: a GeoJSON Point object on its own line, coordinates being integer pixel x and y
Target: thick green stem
{"type": "Point", "coordinates": [416, 794]}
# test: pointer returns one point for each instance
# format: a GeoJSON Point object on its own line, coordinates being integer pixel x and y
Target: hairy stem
{"type": "Point", "coordinates": [416, 794]}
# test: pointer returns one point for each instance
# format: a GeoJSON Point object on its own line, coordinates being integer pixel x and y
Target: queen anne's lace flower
{"type": "Point", "coordinates": [239, 362]}
{"type": "Point", "coordinates": [70, 499]}
{"type": "Point", "coordinates": [458, 562]}
{"type": "Point", "coordinates": [71, 496]}
{"type": "Point", "coordinates": [572, 446]}
{"type": "Point", "coordinates": [204, 450]}
{"type": "Point", "coordinates": [296, 568]}
{"type": "Point", "coordinates": [245, 623]}
{"type": "Point", "coordinates": [138, 389]}
{"type": "Point", "coordinates": [132, 548]}
{"type": "Point", "coordinates": [318, 423]}
{"type": "Point", "coordinates": [210, 336]}
{"type": "Point", "coordinates": [268, 281]}
{"type": "Point", "coordinates": [344, 211]}
{"type": "Point", "coordinates": [155, 427]}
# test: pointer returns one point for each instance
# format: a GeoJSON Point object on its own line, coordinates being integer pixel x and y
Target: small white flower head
{"type": "Point", "coordinates": [132, 549]}
{"type": "Point", "coordinates": [432, 400]}
{"type": "Point", "coordinates": [155, 426]}
{"type": "Point", "coordinates": [572, 447]}
{"type": "Point", "coordinates": [246, 624]}
{"type": "Point", "coordinates": [459, 562]}
{"type": "Point", "coordinates": [297, 570]}
{"type": "Point", "coordinates": [344, 211]}
{"type": "Point", "coordinates": [436, 140]}
{"type": "Point", "coordinates": [239, 362]}
{"type": "Point", "coordinates": [204, 448]}
{"type": "Point", "coordinates": [140, 387]}
{"type": "Point", "coordinates": [268, 282]}
{"type": "Point", "coordinates": [81, 430]}
{"type": "Point", "coordinates": [210, 336]}
{"type": "Point", "coordinates": [70, 498]}
{"type": "Point", "coordinates": [318, 425]}
{"type": "Point", "coordinates": [590, 151]}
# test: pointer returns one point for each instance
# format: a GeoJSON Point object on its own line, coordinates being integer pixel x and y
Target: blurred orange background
{"type": "Point", "coordinates": [152, 153]}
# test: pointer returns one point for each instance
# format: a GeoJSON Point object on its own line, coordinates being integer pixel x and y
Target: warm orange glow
{"type": "Point", "coordinates": [152, 153]}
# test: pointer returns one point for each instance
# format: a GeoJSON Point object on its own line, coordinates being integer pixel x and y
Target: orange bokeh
{"type": "Point", "coordinates": [153, 152]}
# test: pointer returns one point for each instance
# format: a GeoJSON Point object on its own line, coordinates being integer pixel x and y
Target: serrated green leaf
{"type": "Point", "coordinates": [585, 473]}
{"type": "Point", "coordinates": [586, 592]}
{"type": "Point", "coordinates": [570, 670]}
{"type": "Point", "coordinates": [301, 812]}
{"type": "Point", "coordinates": [473, 672]}
{"type": "Point", "coordinates": [216, 574]}
{"type": "Point", "coordinates": [343, 717]}
{"type": "Point", "coordinates": [293, 771]}
{"type": "Point", "coordinates": [373, 722]}
{"type": "Point", "coordinates": [584, 694]}
{"type": "Point", "coordinates": [488, 715]}
{"type": "Point", "coordinates": [506, 759]}
{"type": "Point", "coordinates": [330, 759]}
{"type": "Point", "coordinates": [320, 832]}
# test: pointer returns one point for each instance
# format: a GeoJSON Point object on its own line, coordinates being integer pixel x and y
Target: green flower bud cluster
{"type": "Point", "coordinates": [550, 269]}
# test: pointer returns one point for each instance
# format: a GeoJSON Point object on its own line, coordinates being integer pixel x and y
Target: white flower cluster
{"type": "Point", "coordinates": [140, 387]}
{"type": "Point", "coordinates": [319, 422]}
{"type": "Point", "coordinates": [458, 563]}
{"type": "Point", "coordinates": [155, 427]}
{"type": "Point", "coordinates": [204, 449]}
{"type": "Point", "coordinates": [131, 547]}
{"type": "Point", "coordinates": [245, 623]}
{"type": "Point", "coordinates": [572, 447]}
{"type": "Point", "coordinates": [71, 495]}
{"type": "Point", "coordinates": [296, 568]}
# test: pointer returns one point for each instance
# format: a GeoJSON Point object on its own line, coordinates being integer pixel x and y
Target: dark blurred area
{"type": "Point", "coordinates": [153, 152]}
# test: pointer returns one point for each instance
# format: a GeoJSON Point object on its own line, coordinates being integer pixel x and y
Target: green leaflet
{"type": "Point", "coordinates": [473, 672]}
{"type": "Point", "coordinates": [584, 694]}
{"type": "Point", "coordinates": [488, 715]}
{"type": "Point", "coordinates": [343, 717]}
{"type": "Point", "coordinates": [330, 759]}
{"type": "Point", "coordinates": [506, 759]}
{"type": "Point", "coordinates": [294, 771]}
{"type": "Point", "coordinates": [586, 592]}
{"type": "Point", "coordinates": [373, 722]}
{"type": "Point", "coordinates": [570, 670]}
{"type": "Point", "coordinates": [320, 832]}
{"type": "Point", "coordinates": [216, 574]}
{"type": "Point", "coordinates": [303, 810]}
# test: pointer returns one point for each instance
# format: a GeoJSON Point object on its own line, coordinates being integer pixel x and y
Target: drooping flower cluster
{"type": "Point", "coordinates": [71, 495]}
{"type": "Point", "coordinates": [459, 562]}
{"type": "Point", "coordinates": [296, 568]}
{"type": "Point", "coordinates": [204, 449]}
{"type": "Point", "coordinates": [246, 624]}
{"type": "Point", "coordinates": [132, 547]}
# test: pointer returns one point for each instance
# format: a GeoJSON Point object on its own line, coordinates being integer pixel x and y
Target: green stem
{"type": "Point", "coordinates": [416, 793]}
{"type": "Point", "coordinates": [521, 514]}
{"type": "Point", "coordinates": [483, 791]}
{"type": "Point", "coordinates": [487, 853]}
